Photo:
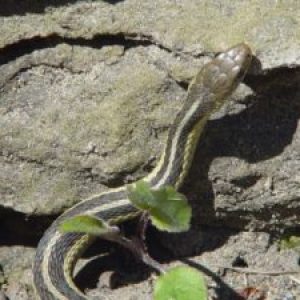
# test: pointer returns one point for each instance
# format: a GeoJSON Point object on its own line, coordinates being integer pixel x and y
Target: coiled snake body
{"type": "Point", "coordinates": [57, 253]}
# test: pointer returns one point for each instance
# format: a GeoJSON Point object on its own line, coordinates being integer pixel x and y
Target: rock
{"type": "Point", "coordinates": [45, 145]}
{"type": "Point", "coordinates": [16, 264]}
{"type": "Point", "coordinates": [89, 89]}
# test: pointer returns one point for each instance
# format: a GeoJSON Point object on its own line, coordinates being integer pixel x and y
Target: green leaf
{"type": "Point", "coordinates": [181, 283]}
{"type": "Point", "coordinates": [168, 209]}
{"type": "Point", "coordinates": [141, 195]}
{"type": "Point", "coordinates": [290, 242]}
{"type": "Point", "coordinates": [86, 224]}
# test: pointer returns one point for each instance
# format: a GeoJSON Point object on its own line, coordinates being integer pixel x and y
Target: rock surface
{"type": "Point", "coordinates": [88, 90]}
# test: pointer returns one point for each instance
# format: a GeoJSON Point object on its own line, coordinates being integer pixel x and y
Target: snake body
{"type": "Point", "coordinates": [58, 252]}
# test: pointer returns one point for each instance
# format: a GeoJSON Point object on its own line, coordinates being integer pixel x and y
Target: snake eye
{"type": "Point", "coordinates": [221, 81]}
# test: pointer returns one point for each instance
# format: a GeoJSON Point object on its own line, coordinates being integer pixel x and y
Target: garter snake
{"type": "Point", "coordinates": [57, 252]}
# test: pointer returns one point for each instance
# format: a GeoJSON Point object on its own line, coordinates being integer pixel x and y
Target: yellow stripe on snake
{"type": "Point", "coordinates": [58, 252]}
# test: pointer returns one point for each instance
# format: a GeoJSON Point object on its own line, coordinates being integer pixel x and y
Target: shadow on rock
{"type": "Point", "coordinates": [258, 133]}
{"type": "Point", "coordinates": [17, 7]}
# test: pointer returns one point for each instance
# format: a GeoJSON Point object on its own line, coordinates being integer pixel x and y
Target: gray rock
{"type": "Point", "coordinates": [89, 89]}
{"type": "Point", "coordinates": [74, 122]}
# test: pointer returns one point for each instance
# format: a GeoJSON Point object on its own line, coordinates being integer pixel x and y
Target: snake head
{"type": "Point", "coordinates": [222, 75]}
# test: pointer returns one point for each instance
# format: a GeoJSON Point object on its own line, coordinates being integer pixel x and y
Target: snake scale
{"type": "Point", "coordinates": [58, 252]}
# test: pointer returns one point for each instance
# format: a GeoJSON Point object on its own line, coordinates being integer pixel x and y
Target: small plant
{"type": "Point", "coordinates": [169, 211]}
{"type": "Point", "coordinates": [88, 224]}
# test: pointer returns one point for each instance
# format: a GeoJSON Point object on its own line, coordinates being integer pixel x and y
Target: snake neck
{"type": "Point", "coordinates": [181, 142]}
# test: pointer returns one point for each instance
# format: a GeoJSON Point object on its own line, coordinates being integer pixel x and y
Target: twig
{"type": "Point", "coordinates": [136, 246]}
{"type": "Point", "coordinates": [261, 272]}
{"type": "Point", "coordinates": [245, 270]}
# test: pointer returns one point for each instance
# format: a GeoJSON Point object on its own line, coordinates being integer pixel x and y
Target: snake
{"type": "Point", "coordinates": [57, 252]}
